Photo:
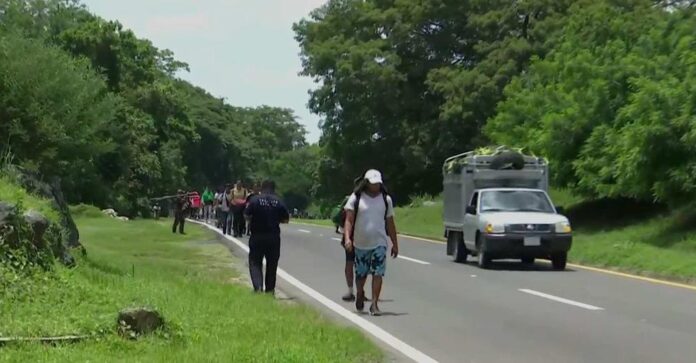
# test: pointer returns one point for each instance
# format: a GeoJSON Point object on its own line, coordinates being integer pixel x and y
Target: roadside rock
{"type": "Point", "coordinates": [6, 211]}
{"type": "Point", "coordinates": [39, 224]}
{"type": "Point", "coordinates": [8, 232]}
{"type": "Point", "coordinates": [33, 183]}
{"type": "Point", "coordinates": [139, 321]}
{"type": "Point", "coordinates": [110, 213]}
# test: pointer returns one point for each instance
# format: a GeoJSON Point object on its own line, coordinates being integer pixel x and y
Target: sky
{"type": "Point", "coordinates": [242, 50]}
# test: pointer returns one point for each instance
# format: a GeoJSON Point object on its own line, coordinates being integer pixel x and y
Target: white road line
{"type": "Point", "coordinates": [366, 325]}
{"type": "Point", "coordinates": [562, 300]}
{"type": "Point", "coordinates": [336, 239]}
{"type": "Point", "coordinates": [304, 231]}
{"type": "Point", "coordinates": [414, 260]}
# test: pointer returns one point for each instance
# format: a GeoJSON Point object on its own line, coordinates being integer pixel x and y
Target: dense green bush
{"type": "Point", "coordinates": [612, 105]}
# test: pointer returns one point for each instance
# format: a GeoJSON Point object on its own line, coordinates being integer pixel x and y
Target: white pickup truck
{"type": "Point", "coordinates": [497, 207]}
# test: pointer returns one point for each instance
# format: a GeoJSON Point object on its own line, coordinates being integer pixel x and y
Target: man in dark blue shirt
{"type": "Point", "coordinates": [265, 213]}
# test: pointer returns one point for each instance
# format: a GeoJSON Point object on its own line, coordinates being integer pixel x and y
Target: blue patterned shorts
{"type": "Point", "coordinates": [370, 262]}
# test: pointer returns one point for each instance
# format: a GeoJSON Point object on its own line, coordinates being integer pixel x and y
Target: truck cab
{"type": "Point", "coordinates": [502, 213]}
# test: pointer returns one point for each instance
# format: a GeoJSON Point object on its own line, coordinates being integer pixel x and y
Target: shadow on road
{"type": "Point", "coordinates": [514, 265]}
{"type": "Point", "coordinates": [384, 313]}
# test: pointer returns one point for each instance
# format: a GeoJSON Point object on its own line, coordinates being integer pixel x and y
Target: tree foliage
{"type": "Point", "coordinates": [603, 88]}
{"type": "Point", "coordinates": [84, 99]}
{"type": "Point", "coordinates": [403, 84]}
{"type": "Point", "coordinates": [612, 105]}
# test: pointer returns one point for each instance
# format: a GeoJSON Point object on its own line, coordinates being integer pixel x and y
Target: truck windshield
{"type": "Point", "coordinates": [515, 201]}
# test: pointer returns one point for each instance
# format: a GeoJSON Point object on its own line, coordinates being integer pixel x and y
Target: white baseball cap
{"type": "Point", "coordinates": [373, 176]}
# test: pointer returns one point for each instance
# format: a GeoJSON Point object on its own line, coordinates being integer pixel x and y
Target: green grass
{"type": "Point", "coordinates": [85, 211]}
{"type": "Point", "coordinates": [661, 246]}
{"type": "Point", "coordinates": [190, 280]}
{"type": "Point", "coordinates": [9, 192]}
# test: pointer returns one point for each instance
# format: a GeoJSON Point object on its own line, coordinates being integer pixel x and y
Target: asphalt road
{"type": "Point", "coordinates": [513, 313]}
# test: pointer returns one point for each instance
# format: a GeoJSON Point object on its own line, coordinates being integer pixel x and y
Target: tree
{"type": "Point", "coordinates": [52, 108]}
{"type": "Point", "coordinates": [404, 84]}
{"type": "Point", "coordinates": [611, 105]}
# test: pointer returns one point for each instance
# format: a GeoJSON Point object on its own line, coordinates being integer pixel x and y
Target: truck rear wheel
{"type": "Point", "coordinates": [460, 251]}
{"type": "Point", "coordinates": [559, 260]}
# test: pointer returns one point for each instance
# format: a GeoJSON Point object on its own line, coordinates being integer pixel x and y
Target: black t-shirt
{"type": "Point", "coordinates": [266, 212]}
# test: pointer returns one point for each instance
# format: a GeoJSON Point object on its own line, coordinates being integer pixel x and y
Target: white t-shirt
{"type": "Point", "coordinates": [369, 230]}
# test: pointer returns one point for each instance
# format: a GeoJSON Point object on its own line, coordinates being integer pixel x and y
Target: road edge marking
{"type": "Point", "coordinates": [369, 327]}
{"type": "Point", "coordinates": [561, 299]}
{"type": "Point", "coordinates": [413, 260]}
{"type": "Point", "coordinates": [575, 265]}
{"type": "Point", "coordinates": [635, 277]}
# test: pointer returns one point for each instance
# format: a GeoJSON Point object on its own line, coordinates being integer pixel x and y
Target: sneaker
{"type": "Point", "coordinates": [360, 301]}
{"type": "Point", "coordinates": [348, 297]}
{"type": "Point", "coordinates": [374, 311]}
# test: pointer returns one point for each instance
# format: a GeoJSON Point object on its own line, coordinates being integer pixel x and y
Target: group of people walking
{"type": "Point", "coordinates": [229, 205]}
{"type": "Point", "coordinates": [365, 219]}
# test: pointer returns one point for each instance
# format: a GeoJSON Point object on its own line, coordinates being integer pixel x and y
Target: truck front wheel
{"type": "Point", "coordinates": [484, 261]}
{"type": "Point", "coordinates": [559, 260]}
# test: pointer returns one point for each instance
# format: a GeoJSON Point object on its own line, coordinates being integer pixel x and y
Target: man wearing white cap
{"type": "Point", "coordinates": [368, 230]}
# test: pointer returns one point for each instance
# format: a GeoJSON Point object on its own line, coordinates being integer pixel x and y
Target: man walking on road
{"type": "Point", "coordinates": [265, 213]}
{"type": "Point", "coordinates": [369, 228]}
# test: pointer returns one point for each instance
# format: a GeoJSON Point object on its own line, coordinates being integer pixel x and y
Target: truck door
{"type": "Point", "coordinates": [471, 223]}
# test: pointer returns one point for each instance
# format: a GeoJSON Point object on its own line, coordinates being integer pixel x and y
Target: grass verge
{"type": "Point", "coordinates": [190, 281]}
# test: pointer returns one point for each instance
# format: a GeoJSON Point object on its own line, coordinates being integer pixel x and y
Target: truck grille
{"type": "Point", "coordinates": [530, 228]}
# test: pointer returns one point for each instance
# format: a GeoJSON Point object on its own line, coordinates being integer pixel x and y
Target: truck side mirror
{"type": "Point", "coordinates": [470, 209]}
{"type": "Point", "coordinates": [560, 210]}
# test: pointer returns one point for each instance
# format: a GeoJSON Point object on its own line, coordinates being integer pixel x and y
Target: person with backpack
{"type": "Point", "coordinates": [208, 198]}
{"type": "Point", "coordinates": [339, 220]}
{"type": "Point", "coordinates": [238, 196]}
{"type": "Point", "coordinates": [368, 230]}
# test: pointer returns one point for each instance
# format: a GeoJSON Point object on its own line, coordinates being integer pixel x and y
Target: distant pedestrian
{"type": "Point", "coordinates": [252, 193]}
{"type": "Point", "coordinates": [217, 204]}
{"type": "Point", "coordinates": [265, 212]}
{"type": "Point", "coordinates": [181, 206]}
{"type": "Point", "coordinates": [225, 217]}
{"type": "Point", "coordinates": [369, 228]}
{"type": "Point", "coordinates": [195, 204]}
{"type": "Point", "coordinates": [238, 199]}
{"type": "Point", "coordinates": [208, 198]}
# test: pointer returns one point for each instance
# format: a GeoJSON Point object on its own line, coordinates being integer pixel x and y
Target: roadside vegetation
{"type": "Point", "coordinates": [189, 279]}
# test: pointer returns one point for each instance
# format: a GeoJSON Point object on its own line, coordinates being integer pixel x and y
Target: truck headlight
{"type": "Point", "coordinates": [563, 227]}
{"type": "Point", "coordinates": [495, 228]}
